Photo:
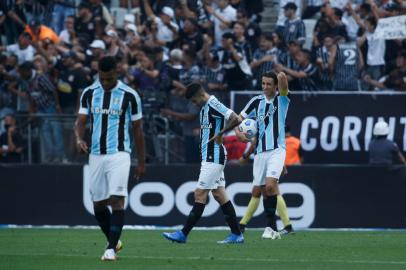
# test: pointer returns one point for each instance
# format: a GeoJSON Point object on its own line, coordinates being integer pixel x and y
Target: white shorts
{"type": "Point", "coordinates": [109, 175]}
{"type": "Point", "coordinates": [268, 164]}
{"type": "Point", "coordinates": [211, 176]}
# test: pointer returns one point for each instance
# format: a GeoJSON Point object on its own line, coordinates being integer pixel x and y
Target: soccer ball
{"type": "Point", "coordinates": [249, 127]}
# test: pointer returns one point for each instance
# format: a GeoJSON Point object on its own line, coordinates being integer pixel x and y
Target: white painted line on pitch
{"type": "Point", "coordinates": [216, 259]}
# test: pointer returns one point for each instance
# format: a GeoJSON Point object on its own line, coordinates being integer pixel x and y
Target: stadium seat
{"type": "Point", "coordinates": [309, 24]}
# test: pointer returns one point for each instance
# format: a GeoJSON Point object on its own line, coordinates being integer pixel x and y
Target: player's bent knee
{"type": "Point", "coordinates": [117, 202]}
{"type": "Point", "coordinates": [201, 195]}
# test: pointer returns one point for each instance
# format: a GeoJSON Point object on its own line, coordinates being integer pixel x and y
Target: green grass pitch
{"type": "Point", "coordinates": [77, 249]}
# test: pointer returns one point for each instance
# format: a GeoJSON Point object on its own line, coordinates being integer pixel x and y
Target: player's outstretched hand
{"type": "Point", "coordinates": [139, 171]}
{"type": "Point", "coordinates": [82, 146]}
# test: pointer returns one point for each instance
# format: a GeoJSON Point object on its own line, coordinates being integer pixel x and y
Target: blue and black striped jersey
{"type": "Point", "coordinates": [110, 114]}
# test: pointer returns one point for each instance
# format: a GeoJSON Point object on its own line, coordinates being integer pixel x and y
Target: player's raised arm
{"type": "Point", "coordinates": [283, 84]}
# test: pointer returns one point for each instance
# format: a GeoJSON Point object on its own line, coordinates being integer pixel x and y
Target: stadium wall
{"type": "Point", "coordinates": [336, 127]}
{"type": "Point", "coordinates": [317, 196]}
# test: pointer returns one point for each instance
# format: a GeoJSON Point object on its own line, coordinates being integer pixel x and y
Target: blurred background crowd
{"type": "Point", "coordinates": [50, 50]}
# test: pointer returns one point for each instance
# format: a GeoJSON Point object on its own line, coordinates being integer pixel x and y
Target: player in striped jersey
{"type": "Point", "coordinates": [323, 54]}
{"type": "Point", "coordinates": [345, 62]}
{"type": "Point", "coordinates": [111, 106]}
{"type": "Point", "coordinates": [269, 110]}
{"type": "Point", "coordinates": [215, 120]}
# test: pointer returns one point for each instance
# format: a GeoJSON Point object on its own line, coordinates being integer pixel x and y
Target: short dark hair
{"type": "Point", "coordinates": [272, 75]}
{"type": "Point", "coordinates": [107, 63]}
{"type": "Point", "coordinates": [290, 5]}
{"type": "Point", "coordinates": [228, 35]}
{"type": "Point", "coordinates": [25, 66]}
{"type": "Point", "coordinates": [193, 89]}
{"type": "Point", "coordinates": [268, 36]}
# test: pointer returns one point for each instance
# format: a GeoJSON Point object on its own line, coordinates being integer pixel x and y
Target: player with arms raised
{"type": "Point", "coordinates": [269, 110]}
{"type": "Point", "coordinates": [111, 106]}
{"type": "Point", "coordinates": [215, 120]}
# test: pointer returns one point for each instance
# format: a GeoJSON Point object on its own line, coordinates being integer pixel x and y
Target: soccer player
{"type": "Point", "coordinates": [215, 120]}
{"type": "Point", "coordinates": [269, 110]}
{"type": "Point", "coordinates": [111, 106]}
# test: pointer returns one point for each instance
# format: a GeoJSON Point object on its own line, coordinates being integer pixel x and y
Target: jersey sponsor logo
{"type": "Point", "coordinates": [98, 110]}
{"type": "Point", "coordinates": [206, 126]}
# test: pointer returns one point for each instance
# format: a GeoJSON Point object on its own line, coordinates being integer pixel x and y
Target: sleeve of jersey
{"type": "Point", "coordinates": [136, 108]}
{"type": "Point", "coordinates": [223, 110]}
{"type": "Point", "coordinates": [84, 104]}
{"type": "Point", "coordinates": [248, 111]}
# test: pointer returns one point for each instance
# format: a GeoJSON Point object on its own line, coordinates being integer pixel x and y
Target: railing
{"type": "Point", "coordinates": [49, 138]}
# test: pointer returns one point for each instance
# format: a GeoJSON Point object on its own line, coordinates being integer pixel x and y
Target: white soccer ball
{"type": "Point", "coordinates": [249, 127]}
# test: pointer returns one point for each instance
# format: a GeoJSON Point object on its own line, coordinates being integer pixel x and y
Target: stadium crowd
{"type": "Point", "coordinates": [50, 51]}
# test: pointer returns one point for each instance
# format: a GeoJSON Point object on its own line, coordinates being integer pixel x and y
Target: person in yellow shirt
{"type": "Point", "coordinates": [293, 149]}
{"type": "Point", "coordinates": [39, 32]}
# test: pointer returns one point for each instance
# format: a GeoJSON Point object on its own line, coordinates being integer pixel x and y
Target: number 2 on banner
{"type": "Point", "coordinates": [350, 57]}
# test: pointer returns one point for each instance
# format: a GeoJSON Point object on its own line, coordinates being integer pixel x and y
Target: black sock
{"type": "Point", "coordinates": [193, 217]}
{"type": "Point", "coordinates": [270, 209]}
{"type": "Point", "coordinates": [231, 217]}
{"type": "Point", "coordinates": [103, 219]}
{"type": "Point", "coordinates": [116, 226]}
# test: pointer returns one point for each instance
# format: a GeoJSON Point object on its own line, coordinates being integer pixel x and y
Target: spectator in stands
{"type": "Point", "coordinates": [167, 30]}
{"type": "Point", "coordinates": [85, 23]}
{"type": "Point", "coordinates": [191, 38]}
{"type": "Point", "coordinates": [213, 75]}
{"type": "Point", "coordinates": [68, 33]}
{"type": "Point", "coordinates": [238, 72]}
{"type": "Point", "coordinates": [62, 10]}
{"type": "Point", "coordinates": [289, 60]}
{"type": "Point", "coordinates": [322, 57]}
{"type": "Point", "coordinates": [14, 19]}
{"type": "Point", "coordinates": [44, 99]}
{"type": "Point", "coordinates": [345, 63]}
{"type": "Point", "coordinates": [100, 13]}
{"type": "Point", "coordinates": [40, 32]}
{"type": "Point", "coordinates": [264, 58]}
{"type": "Point", "coordinates": [252, 30]}
{"type": "Point", "coordinates": [293, 149]}
{"type": "Point", "coordinates": [113, 44]}
{"type": "Point", "coordinates": [294, 28]}
{"type": "Point", "coordinates": [329, 24]}
{"type": "Point", "coordinates": [190, 72]}
{"type": "Point", "coordinates": [240, 40]}
{"type": "Point", "coordinates": [22, 49]}
{"type": "Point", "coordinates": [280, 24]}
{"type": "Point", "coordinates": [71, 81]}
{"type": "Point", "coordinates": [382, 151]}
{"type": "Point", "coordinates": [223, 17]}
{"type": "Point", "coordinates": [11, 141]}
{"type": "Point", "coordinates": [306, 73]}
{"type": "Point", "coordinates": [396, 79]}
{"type": "Point", "coordinates": [376, 51]}
{"type": "Point", "coordinates": [187, 115]}
{"type": "Point", "coordinates": [144, 73]}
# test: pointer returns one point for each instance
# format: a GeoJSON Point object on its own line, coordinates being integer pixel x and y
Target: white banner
{"type": "Point", "coordinates": [391, 28]}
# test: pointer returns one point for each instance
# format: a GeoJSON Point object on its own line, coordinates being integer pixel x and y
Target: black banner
{"type": "Point", "coordinates": [317, 196]}
{"type": "Point", "coordinates": [337, 128]}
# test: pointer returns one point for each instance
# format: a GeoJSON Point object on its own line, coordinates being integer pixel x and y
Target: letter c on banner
{"type": "Point", "coordinates": [184, 207]}
{"type": "Point", "coordinates": [308, 123]}
{"type": "Point", "coordinates": [168, 199]}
